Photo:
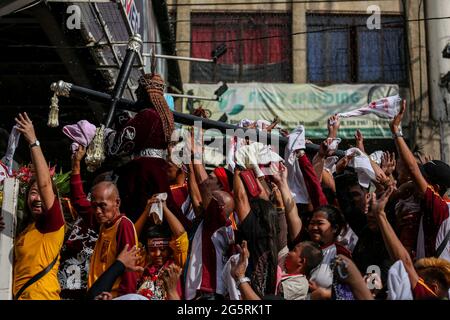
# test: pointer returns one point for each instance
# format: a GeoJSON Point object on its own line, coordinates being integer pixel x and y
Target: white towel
{"type": "Point", "coordinates": [156, 210]}
{"type": "Point", "coordinates": [236, 143]}
{"type": "Point", "coordinates": [334, 144]}
{"type": "Point", "coordinates": [386, 108]}
{"type": "Point", "coordinates": [399, 286]}
{"type": "Point", "coordinates": [376, 156]}
{"type": "Point", "coordinates": [222, 238]}
{"type": "Point", "coordinates": [362, 166]}
{"type": "Point", "coordinates": [330, 164]}
{"type": "Point", "coordinates": [296, 181]}
{"type": "Point", "coordinates": [228, 281]}
{"type": "Point", "coordinates": [13, 142]}
{"type": "Point", "coordinates": [3, 172]}
{"type": "Point", "coordinates": [296, 142]}
{"type": "Point", "coordinates": [194, 268]}
{"type": "Point", "coordinates": [252, 155]}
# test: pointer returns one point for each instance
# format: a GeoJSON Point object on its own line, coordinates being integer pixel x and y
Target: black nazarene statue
{"type": "Point", "coordinates": [145, 138]}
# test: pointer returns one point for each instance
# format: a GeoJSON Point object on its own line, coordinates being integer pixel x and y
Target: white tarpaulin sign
{"type": "Point", "coordinates": [299, 104]}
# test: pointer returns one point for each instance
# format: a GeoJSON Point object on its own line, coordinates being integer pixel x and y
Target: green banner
{"type": "Point", "coordinates": [298, 104]}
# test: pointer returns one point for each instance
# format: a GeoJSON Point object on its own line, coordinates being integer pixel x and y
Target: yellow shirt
{"type": "Point", "coordinates": [105, 253]}
{"type": "Point", "coordinates": [33, 252]}
{"type": "Point", "coordinates": [180, 247]}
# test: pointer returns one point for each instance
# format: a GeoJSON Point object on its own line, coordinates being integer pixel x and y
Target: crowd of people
{"type": "Point", "coordinates": [297, 225]}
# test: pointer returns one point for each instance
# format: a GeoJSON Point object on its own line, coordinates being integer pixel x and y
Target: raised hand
{"type": "Point", "coordinates": [333, 125]}
{"type": "Point", "coordinates": [273, 124]}
{"type": "Point", "coordinates": [238, 268]}
{"type": "Point", "coordinates": [276, 195]}
{"type": "Point", "coordinates": [395, 123]}
{"type": "Point", "coordinates": [170, 278]}
{"type": "Point", "coordinates": [79, 154]}
{"type": "Point", "coordinates": [324, 150]}
{"type": "Point", "coordinates": [343, 162]}
{"type": "Point", "coordinates": [279, 173]}
{"type": "Point", "coordinates": [25, 126]}
{"type": "Point", "coordinates": [388, 163]}
{"type": "Point", "coordinates": [377, 204]}
{"type": "Point", "coordinates": [359, 140]}
{"type": "Point", "coordinates": [130, 258]}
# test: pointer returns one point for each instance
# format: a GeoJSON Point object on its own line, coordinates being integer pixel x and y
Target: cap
{"type": "Point", "coordinates": [437, 172]}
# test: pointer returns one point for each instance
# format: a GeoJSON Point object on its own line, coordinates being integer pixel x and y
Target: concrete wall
{"type": "Point", "coordinates": [419, 127]}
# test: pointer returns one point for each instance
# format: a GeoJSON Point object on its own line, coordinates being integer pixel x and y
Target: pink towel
{"type": "Point", "coordinates": [80, 133]}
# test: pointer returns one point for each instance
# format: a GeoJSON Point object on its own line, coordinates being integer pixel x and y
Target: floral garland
{"type": "Point", "coordinates": [151, 285]}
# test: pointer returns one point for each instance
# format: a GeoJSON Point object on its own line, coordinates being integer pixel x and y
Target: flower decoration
{"type": "Point", "coordinates": [25, 173]}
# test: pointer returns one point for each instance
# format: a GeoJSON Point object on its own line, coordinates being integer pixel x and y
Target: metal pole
{"type": "Point", "coordinates": [192, 97]}
{"type": "Point", "coordinates": [163, 56]}
{"type": "Point", "coordinates": [69, 90]}
{"type": "Point", "coordinates": [122, 79]}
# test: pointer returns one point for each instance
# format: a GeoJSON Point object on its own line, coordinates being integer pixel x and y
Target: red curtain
{"type": "Point", "coordinates": [262, 39]}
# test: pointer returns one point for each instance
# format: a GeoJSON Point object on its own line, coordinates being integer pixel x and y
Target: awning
{"type": "Point", "coordinates": [9, 6]}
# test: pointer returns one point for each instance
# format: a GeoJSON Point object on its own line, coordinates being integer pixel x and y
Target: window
{"type": "Point", "coordinates": [341, 49]}
{"type": "Point", "coordinates": [264, 60]}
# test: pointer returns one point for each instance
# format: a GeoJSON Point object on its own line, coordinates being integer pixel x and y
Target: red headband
{"type": "Point", "coordinates": [223, 178]}
{"type": "Point", "coordinates": [158, 242]}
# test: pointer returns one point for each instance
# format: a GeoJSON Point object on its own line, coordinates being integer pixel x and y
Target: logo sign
{"type": "Point", "coordinates": [133, 15]}
{"type": "Point", "coordinates": [374, 21]}
{"type": "Point", "coordinates": [74, 20]}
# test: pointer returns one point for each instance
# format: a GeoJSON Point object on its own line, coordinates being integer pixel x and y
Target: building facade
{"type": "Point", "coordinates": [319, 43]}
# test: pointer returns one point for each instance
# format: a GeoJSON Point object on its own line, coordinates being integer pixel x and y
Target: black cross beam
{"type": "Point", "coordinates": [66, 89]}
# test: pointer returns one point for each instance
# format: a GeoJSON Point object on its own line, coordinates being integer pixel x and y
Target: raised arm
{"type": "Point", "coordinates": [318, 162]}
{"type": "Point", "coordinates": [354, 278]}
{"type": "Point", "coordinates": [395, 248]}
{"type": "Point", "coordinates": [405, 154]}
{"type": "Point", "coordinates": [319, 159]}
{"type": "Point", "coordinates": [43, 179]}
{"type": "Point", "coordinates": [312, 183]}
{"type": "Point", "coordinates": [242, 204]}
{"type": "Point", "coordinates": [238, 272]}
{"type": "Point", "coordinates": [174, 224]}
{"type": "Point", "coordinates": [359, 141]}
{"type": "Point", "coordinates": [77, 196]}
{"type": "Point", "coordinates": [294, 223]}
{"type": "Point", "coordinates": [194, 192]}
{"type": "Point", "coordinates": [197, 156]}
{"type": "Point", "coordinates": [139, 225]}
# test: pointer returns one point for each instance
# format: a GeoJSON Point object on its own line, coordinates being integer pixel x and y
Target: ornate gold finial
{"type": "Point", "coordinates": [95, 154]}
{"type": "Point", "coordinates": [53, 114]}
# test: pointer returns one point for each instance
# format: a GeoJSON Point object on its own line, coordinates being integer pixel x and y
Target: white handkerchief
{"type": "Point", "coordinates": [296, 142]}
{"type": "Point", "coordinates": [252, 155]}
{"type": "Point", "coordinates": [399, 286]}
{"type": "Point", "coordinates": [376, 157]}
{"type": "Point", "coordinates": [386, 108]}
{"type": "Point", "coordinates": [334, 144]}
{"type": "Point", "coordinates": [362, 166]}
{"type": "Point", "coordinates": [330, 164]}
{"type": "Point", "coordinates": [13, 142]}
{"type": "Point", "coordinates": [296, 181]}
{"type": "Point", "coordinates": [156, 210]}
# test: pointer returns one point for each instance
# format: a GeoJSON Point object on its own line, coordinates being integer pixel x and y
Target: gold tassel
{"type": "Point", "coordinates": [53, 114]}
{"type": "Point", "coordinates": [95, 154]}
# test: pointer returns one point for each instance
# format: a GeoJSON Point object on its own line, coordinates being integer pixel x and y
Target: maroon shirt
{"type": "Point", "coordinates": [125, 231]}
{"type": "Point", "coordinates": [51, 219]}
